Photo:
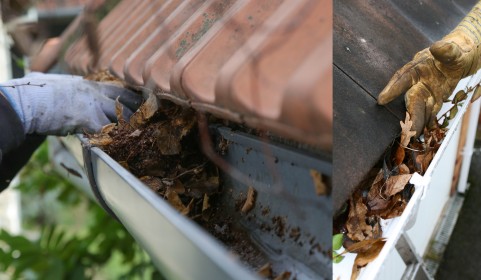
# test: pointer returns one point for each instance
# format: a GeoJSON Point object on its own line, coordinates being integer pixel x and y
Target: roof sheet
{"type": "Point", "coordinates": [267, 64]}
{"type": "Point", "coordinates": [371, 41]}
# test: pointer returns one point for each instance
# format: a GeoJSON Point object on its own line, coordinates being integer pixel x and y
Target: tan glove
{"type": "Point", "coordinates": [430, 78]}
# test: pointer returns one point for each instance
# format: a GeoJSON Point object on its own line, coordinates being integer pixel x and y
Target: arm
{"type": "Point", "coordinates": [46, 104]}
{"type": "Point", "coordinates": [15, 147]}
{"type": "Point", "coordinates": [430, 78]}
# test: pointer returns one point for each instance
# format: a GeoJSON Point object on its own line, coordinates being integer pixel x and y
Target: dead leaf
{"type": "Point", "coordinates": [362, 245]}
{"type": "Point", "coordinates": [174, 200]}
{"type": "Point", "coordinates": [355, 272]}
{"type": "Point", "coordinates": [423, 160]}
{"type": "Point", "coordinates": [356, 224]}
{"type": "Point", "coordinates": [205, 203]}
{"type": "Point", "coordinates": [367, 251]}
{"type": "Point", "coordinates": [249, 203]}
{"type": "Point", "coordinates": [101, 140]}
{"type": "Point", "coordinates": [367, 255]}
{"type": "Point", "coordinates": [283, 276]}
{"type": "Point", "coordinates": [399, 155]}
{"type": "Point", "coordinates": [265, 271]}
{"type": "Point", "coordinates": [319, 185]}
{"type": "Point", "coordinates": [406, 132]}
{"type": "Point", "coordinates": [395, 184]}
{"type": "Point", "coordinates": [396, 207]}
{"type": "Point", "coordinates": [108, 128]}
{"type": "Point", "coordinates": [146, 111]}
{"type": "Point", "coordinates": [119, 109]}
{"type": "Point", "coordinates": [404, 169]}
{"type": "Point", "coordinates": [136, 133]}
{"type": "Point", "coordinates": [375, 201]}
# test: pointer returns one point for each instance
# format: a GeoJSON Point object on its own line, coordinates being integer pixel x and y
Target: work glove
{"type": "Point", "coordinates": [430, 78]}
{"type": "Point", "coordinates": [51, 104]}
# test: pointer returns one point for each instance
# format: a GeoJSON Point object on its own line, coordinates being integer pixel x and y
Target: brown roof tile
{"type": "Point", "coordinates": [265, 63]}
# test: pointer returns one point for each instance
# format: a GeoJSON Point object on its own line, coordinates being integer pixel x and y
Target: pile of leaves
{"type": "Point", "coordinates": [159, 145]}
{"type": "Point", "coordinates": [386, 193]}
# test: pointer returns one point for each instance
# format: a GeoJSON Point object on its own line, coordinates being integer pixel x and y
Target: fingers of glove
{"type": "Point", "coordinates": [401, 81]}
{"type": "Point", "coordinates": [417, 106]}
{"type": "Point", "coordinates": [108, 106]}
{"type": "Point", "coordinates": [446, 52]}
{"type": "Point", "coordinates": [127, 97]}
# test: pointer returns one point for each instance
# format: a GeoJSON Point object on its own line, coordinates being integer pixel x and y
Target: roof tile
{"type": "Point", "coordinates": [265, 63]}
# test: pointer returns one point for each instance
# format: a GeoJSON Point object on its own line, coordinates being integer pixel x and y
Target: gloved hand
{"type": "Point", "coordinates": [52, 104]}
{"type": "Point", "coordinates": [430, 78]}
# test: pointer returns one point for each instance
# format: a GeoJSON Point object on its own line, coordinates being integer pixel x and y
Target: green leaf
{"type": "Point", "coordinates": [336, 258]}
{"type": "Point", "coordinates": [337, 241]}
{"type": "Point", "coordinates": [453, 112]}
{"type": "Point", "coordinates": [445, 123]}
{"type": "Point", "coordinates": [460, 96]}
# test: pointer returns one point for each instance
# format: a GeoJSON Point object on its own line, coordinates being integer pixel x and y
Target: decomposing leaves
{"type": "Point", "coordinates": [159, 145]}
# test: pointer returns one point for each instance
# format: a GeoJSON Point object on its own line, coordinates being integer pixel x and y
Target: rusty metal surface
{"type": "Point", "coordinates": [372, 39]}
{"type": "Point", "coordinates": [266, 64]}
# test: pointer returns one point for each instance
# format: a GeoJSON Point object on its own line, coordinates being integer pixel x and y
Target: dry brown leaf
{"type": "Point", "coordinates": [362, 245]}
{"type": "Point", "coordinates": [147, 110]}
{"type": "Point", "coordinates": [423, 160]}
{"type": "Point", "coordinates": [174, 200]}
{"type": "Point", "coordinates": [319, 185]}
{"type": "Point", "coordinates": [395, 209]}
{"type": "Point", "coordinates": [368, 255]}
{"type": "Point", "coordinates": [119, 109]}
{"type": "Point", "coordinates": [101, 140]}
{"type": "Point", "coordinates": [395, 184]}
{"type": "Point", "coordinates": [406, 132]}
{"type": "Point", "coordinates": [188, 208]}
{"type": "Point", "coordinates": [404, 169]}
{"type": "Point", "coordinates": [283, 276]}
{"type": "Point", "coordinates": [356, 224]}
{"type": "Point", "coordinates": [249, 203]}
{"type": "Point", "coordinates": [367, 251]}
{"type": "Point", "coordinates": [375, 200]}
{"type": "Point", "coordinates": [355, 272]}
{"type": "Point", "coordinates": [399, 155]}
{"type": "Point", "coordinates": [108, 128]}
{"type": "Point", "coordinates": [154, 183]}
{"type": "Point", "coordinates": [265, 271]}
{"type": "Point", "coordinates": [205, 203]}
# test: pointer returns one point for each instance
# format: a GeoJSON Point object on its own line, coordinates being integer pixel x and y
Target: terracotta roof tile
{"type": "Point", "coordinates": [265, 63]}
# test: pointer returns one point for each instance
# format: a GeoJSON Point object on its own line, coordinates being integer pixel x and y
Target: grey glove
{"type": "Point", "coordinates": [52, 104]}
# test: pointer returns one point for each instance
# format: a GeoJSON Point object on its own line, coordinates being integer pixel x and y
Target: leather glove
{"type": "Point", "coordinates": [51, 104]}
{"type": "Point", "coordinates": [430, 78]}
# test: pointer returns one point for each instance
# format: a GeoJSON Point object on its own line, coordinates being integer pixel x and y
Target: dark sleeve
{"type": "Point", "coordinates": [15, 147]}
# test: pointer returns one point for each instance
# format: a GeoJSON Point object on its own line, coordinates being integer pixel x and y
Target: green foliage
{"type": "Point", "coordinates": [60, 251]}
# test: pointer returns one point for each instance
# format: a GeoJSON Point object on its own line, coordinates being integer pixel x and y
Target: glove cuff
{"type": "Point", "coordinates": [470, 26]}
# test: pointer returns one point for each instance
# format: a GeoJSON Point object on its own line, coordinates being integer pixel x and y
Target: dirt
{"type": "Point", "coordinates": [162, 149]}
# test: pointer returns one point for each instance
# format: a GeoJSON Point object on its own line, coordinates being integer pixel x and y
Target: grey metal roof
{"type": "Point", "coordinates": [372, 39]}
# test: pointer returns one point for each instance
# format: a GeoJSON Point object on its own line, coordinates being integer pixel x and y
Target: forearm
{"type": "Point", "coordinates": [15, 147]}
{"type": "Point", "coordinates": [467, 35]}
{"type": "Point", "coordinates": [12, 132]}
